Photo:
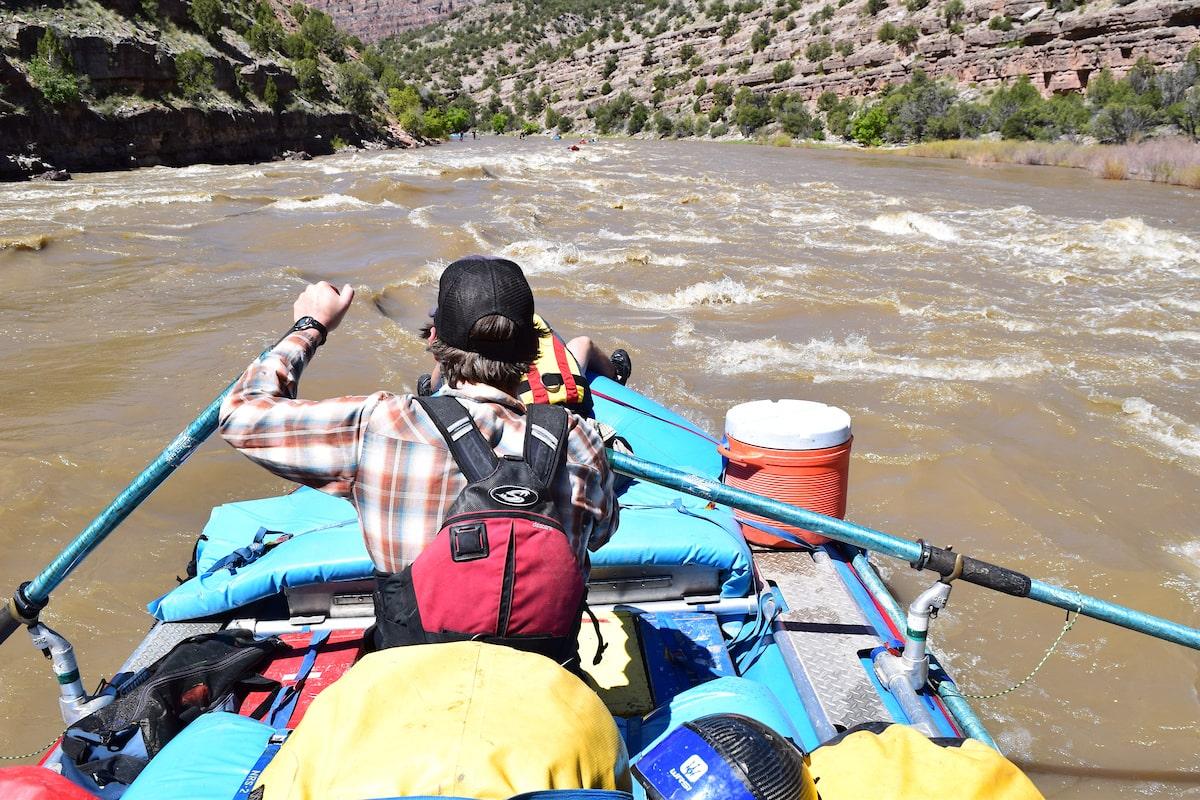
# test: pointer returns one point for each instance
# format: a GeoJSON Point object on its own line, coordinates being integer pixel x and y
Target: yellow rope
{"type": "Point", "coordinates": [1070, 623]}
{"type": "Point", "coordinates": [39, 751]}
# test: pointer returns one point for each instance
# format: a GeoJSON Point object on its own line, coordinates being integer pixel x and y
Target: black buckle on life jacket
{"type": "Point", "coordinates": [468, 542]}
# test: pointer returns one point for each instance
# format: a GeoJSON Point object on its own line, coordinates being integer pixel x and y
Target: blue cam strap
{"type": "Point", "coordinates": [248, 554]}
{"type": "Point", "coordinates": [273, 744]}
{"type": "Point", "coordinates": [280, 713]}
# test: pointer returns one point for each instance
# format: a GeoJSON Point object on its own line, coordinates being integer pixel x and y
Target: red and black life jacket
{"type": "Point", "coordinates": [501, 569]}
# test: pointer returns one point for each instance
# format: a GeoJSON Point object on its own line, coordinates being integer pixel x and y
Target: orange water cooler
{"type": "Point", "coordinates": [794, 451]}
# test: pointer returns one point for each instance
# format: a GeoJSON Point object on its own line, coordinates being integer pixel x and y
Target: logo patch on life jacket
{"type": "Point", "coordinates": [519, 496]}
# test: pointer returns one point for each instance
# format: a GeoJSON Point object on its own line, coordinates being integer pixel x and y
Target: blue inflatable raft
{"type": "Point", "coordinates": [786, 638]}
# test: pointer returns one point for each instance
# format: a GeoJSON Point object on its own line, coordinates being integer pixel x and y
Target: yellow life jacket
{"type": "Point", "coordinates": [555, 377]}
{"type": "Point", "coordinates": [465, 719]}
{"type": "Point", "coordinates": [902, 764]}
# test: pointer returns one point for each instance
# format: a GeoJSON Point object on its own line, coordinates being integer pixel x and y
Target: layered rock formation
{"type": "Point", "coordinates": [131, 109]}
{"type": "Point", "coordinates": [372, 20]}
{"type": "Point", "coordinates": [1060, 51]}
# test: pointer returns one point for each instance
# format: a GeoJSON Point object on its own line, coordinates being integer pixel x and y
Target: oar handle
{"type": "Point", "coordinates": [918, 554]}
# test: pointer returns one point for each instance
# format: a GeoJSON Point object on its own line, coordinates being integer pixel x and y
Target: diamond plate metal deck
{"type": "Point", "coordinates": [161, 638]}
{"type": "Point", "coordinates": [825, 630]}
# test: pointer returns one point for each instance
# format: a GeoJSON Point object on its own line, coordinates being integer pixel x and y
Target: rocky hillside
{"type": "Point", "coordinates": [371, 20]}
{"type": "Point", "coordinates": [103, 84]}
{"type": "Point", "coordinates": [668, 56]}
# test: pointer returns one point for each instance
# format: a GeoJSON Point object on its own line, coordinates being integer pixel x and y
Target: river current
{"type": "Point", "coordinates": [1019, 349]}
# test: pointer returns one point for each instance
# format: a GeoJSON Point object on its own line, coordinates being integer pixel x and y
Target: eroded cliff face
{"type": "Point", "coordinates": [1060, 51]}
{"type": "Point", "coordinates": [372, 20]}
{"type": "Point", "coordinates": [131, 108]}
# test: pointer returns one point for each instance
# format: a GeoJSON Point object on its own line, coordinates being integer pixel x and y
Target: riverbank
{"type": "Point", "coordinates": [1174, 161]}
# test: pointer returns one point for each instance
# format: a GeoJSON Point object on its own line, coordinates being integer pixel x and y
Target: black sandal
{"type": "Point", "coordinates": [623, 365]}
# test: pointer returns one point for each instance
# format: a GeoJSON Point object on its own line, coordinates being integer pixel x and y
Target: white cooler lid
{"type": "Point", "coordinates": [788, 424]}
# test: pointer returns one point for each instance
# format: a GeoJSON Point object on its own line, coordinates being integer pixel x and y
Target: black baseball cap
{"type": "Point", "coordinates": [479, 286]}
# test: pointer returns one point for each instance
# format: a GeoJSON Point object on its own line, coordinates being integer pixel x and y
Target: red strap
{"type": "Point", "coordinates": [564, 368]}
{"type": "Point", "coordinates": [540, 395]}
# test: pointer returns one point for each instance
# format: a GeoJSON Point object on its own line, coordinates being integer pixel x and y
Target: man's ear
{"type": "Point", "coordinates": [432, 333]}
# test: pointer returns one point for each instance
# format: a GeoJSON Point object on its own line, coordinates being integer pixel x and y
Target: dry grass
{"type": "Point", "coordinates": [1175, 160]}
{"type": "Point", "coordinates": [1113, 169]}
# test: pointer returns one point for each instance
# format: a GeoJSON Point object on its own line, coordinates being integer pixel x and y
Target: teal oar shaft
{"type": "Point", "coordinates": [919, 554]}
{"type": "Point", "coordinates": [181, 447]}
{"type": "Point", "coordinates": [31, 597]}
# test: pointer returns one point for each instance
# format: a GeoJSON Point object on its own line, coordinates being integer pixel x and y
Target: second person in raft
{"type": "Point", "coordinates": [557, 376]}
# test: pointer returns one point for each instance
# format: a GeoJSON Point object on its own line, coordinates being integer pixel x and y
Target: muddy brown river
{"type": "Point", "coordinates": [1019, 348]}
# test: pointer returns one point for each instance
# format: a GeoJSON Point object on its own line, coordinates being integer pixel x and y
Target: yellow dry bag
{"type": "Point", "coordinates": [463, 720]}
{"type": "Point", "coordinates": [902, 764]}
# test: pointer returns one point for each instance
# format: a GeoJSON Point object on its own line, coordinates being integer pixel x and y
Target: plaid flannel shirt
{"type": "Point", "coordinates": [384, 454]}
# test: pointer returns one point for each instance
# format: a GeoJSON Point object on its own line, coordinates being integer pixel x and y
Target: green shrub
{"type": "Point", "coordinates": [868, 126]}
{"type": "Point", "coordinates": [610, 66]}
{"type": "Point", "coordinates": [266, 34]}
{"type": "Point", "coordinates": [887, 32]}
{"type": "Point", "coordinates": [270, 94]}
{"type": "Point", "coordinates": [458, 119]}
{"type": "Point", "coordinates": [355, 88]}
{"type": "Point", "coordinates": [906, 35]}
{"type": "Point", "coordinates": [875, 6]}
{"type": "Point", "coordinates": [433, 124]}
{"type": "Point", "coordinates": [299, 11]}
{"type": "Point", "coordinates": [1001, 23]}
{"type": "Point", "coordinates": [728, 28]}
{"type": "Point", "coordinates": [193, 74]}
{"type": "Point", "coordinates": [844, 48]}
{"type": "Point", "coordinates": [499, 122]}
{"type": "Point", "coordinates": [913, 6]}
{"type": "Point", "coordinates": [149, 8]}
{"type": "Point", "coordinates": [207, 16]}
{"type": "Point", "coordinates": [308, 79]}
{"type": "Point", "coordinates": [612, 115]}
{"type": "Point", "coordinates": [412, 121]}
{"type": "Point", "coordinates": [52, 71]}
{"type": "Point", "coordinates": [319, 29]}
{"type": "Point", "coordinates": [294, 44]}
{"type": "Point", "coordinates": [606, 88]}
{"type": "Point", "coordinates": [760, 38]}
{"type": "Point", "coordinates": [638, 117]}
{"type": "Point", "coordinates": [818, 51]}
{"type": "Point", "coordinates": [750, 111]}
{"type": "Point", "coordinates": [782, 71]}
{"type": "Point", "coordinates": [701, 87]}
{"type": "Point", "coordinates": [1119, 123]}
{"type": "Point", "coordinates": [718, 129]}
{"type": "Point", "coordinates": [686, 53]}
{"type": "Point", "coordinates": [953, 11]}
{"type": "Point", "coordinates": [837, 111]}
{"type": "Point", "coordinates": [794, 117]}
{"type": "Point", "coordinates": [663, 125]}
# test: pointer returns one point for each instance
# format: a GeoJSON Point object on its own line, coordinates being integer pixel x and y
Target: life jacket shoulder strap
{"type": "Point", "coordinates": [470, 450]}
{"type": "Point", "coordinates": [545, 440]}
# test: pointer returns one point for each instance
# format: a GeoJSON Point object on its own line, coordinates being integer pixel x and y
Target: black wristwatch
{"type": "Point", "coordinates": [308, 323]}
